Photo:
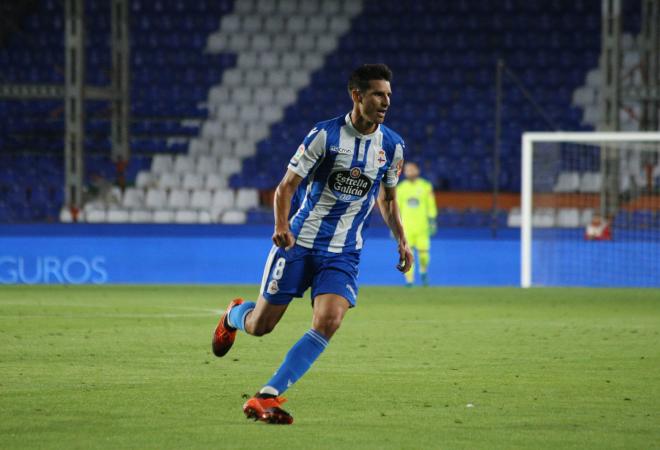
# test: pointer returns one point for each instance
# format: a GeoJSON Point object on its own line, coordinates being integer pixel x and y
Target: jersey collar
{"type": "Point", "coordinates": [349, 124]}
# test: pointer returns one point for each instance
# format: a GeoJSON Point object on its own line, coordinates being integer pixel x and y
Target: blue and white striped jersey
{"type": "Point", "coordinates": [342, 171]}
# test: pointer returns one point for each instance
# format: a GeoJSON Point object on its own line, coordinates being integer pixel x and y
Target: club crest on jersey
{"type": "Point", "coordinates": [273, 287]}
{"type": "Point", "coordinates": [350, 185]}
{"type": "Point", "coordinates": [298, 154]}
{"type": "Point", "coordinates": [381, 158]}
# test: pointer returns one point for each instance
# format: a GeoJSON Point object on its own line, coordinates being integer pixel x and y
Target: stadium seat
{"type": "Point", "coordinates": [215, 181]}
{"type": "Point", "coordinates": [140, 216]}
{"type": "Point", "coordinates": [568, 182]}
{"type": "Point", "coordinates": [169, 180]}
{"type": "Point", "coordinates": [163, 216]}
{"type": "Point", "coordinates": [206, 165]}
{"type": "Point", "coordinates": [568, 217]}
{"type": "Point", "coordinates": [514, 218]}
{"type": "Point", "coordinates": [117, 216]}
{"type": "Point", "coordinates": [590, 182]}
{"type": "Point", "coordinates": [233, 217]}
{"type": "Point", "coordinates": [544, 218]}
{"type": "Point", "coordinates": [201, 200]}
{"type": "Point", "coordinates": [178, 199]}
{"type": "Point", "coordinates": [186, 216]}
{"type": "Point", "coordinates": [222, 201]}
{"type": "Point", "coordinates": [133, 198]}
{"type": "Point", "coordinates": [193, 181]}
{"type": "Point", "coordinates": [247, 199]}
{"type": "Point", "coordinates": [156, 198]}
{"type": "Point", "coordinates": [145, 180]}
{"type": "Point", "coordinates": [96, 216]}
{"type": "Point", "coordinates": [161, 164]}
{"type": "Point", "coordinates": [183, 164]}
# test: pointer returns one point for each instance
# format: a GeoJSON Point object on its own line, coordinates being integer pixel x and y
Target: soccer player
{"type": "Point", "coordinates": [418, 213]}
{"type": "Point", "coordinates": [337, 173]}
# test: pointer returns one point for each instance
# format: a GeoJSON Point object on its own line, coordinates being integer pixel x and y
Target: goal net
{"type": "Point", "coordinates": [590, 209]}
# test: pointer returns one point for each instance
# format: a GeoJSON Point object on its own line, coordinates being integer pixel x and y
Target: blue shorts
{"type": "Point", "coordinates": [289, 273]}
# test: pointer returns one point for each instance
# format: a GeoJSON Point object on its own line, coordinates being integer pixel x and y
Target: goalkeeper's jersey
{"type": "Point", "coordinates": [416, 204]}
{"type": "Point", "coordinates": [342, 171]}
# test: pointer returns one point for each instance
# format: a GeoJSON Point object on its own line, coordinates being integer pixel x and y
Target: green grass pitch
{"type": "Point", "coordinates": [131, 367]}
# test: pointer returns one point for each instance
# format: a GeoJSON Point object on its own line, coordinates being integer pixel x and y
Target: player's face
{"type": "Point", "coordinates": [374, 102]}
{"type": "Point", "coordinates": [411, 171]}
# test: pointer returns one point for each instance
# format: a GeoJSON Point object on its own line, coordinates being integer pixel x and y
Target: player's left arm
{"type": "Point", "coordinates": [390, 210]}
{"type": "Point", "coordinates": [432, 210]}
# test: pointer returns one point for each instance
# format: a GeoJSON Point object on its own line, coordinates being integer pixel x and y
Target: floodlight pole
{"type": "Point", "coordinates": [610, 68]}
{"type": "Point", "coordinates": [499, 69]}
{"type": "Point", "coordinates": [74, 104]}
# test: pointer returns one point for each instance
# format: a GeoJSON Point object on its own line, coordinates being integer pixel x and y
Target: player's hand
{"type": "Point", "coordinates": [405, 258]}
{"type": "Point", "coordinates": [433, 227]}
{"type": "Point", "coordinates": [283, 238]}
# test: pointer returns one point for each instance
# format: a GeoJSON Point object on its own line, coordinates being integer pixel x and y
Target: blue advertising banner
{"type": "Point", "coordinates": [190, 254]}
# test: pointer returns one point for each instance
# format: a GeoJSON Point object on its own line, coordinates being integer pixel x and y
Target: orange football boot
{"type": "Point", "coordinates": [266, 408]}
{"type": "Point", "coordinates": [224, 335]}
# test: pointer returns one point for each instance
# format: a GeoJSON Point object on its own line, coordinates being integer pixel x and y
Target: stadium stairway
{"type": "Point", "coordinates": [278, 45]}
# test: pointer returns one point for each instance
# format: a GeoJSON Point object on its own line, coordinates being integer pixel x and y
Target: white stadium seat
{"type": "Point", "coordinates": [304, 42]}
{"type": "Point", "coordinates": [241, 95]}
{"type": "Point", "coordinates": [163, 216]}
{"type": "Point", "coordinates": [285, 96]}
{"type": "Point", "coordinates": [161, 163]}
{"type": "Point", "coordinates": [227, 111]}
{"type": "Point", "coordinates": [326, 44]}
{"type": "Point", "coordinates": [201, 199]}
{"type": "Point", "coordinates": [230, 24]}
{"type": "Point", "coordinates": [282, 42]}
{"type": "Point", "coordinates": [543, 218]}
{"type": "Point", "coordinates": [272, 113]}
{"type": "Point", "coordinates": [221, 146]}
{"type": "Point", "coordinates": [265, 7]}
{"type": "Point", "coordinates": [585, 217]}
{"type": "Point", "coordinates": [252, 24]}
{"type": "Point", "coordinates": [96, 216]}
{"type": "Point", "coordinates": [309, 7]}
{"type": "Point", "coordinates": [274, 24]}
{"type": "Point", "coordinates": [288, 7]}
{"type": "Point", "coordinates": [133, 198]}
{"type": "Point", "coordinates": [229, 165]}
{"type": "Point", "coordinates": [184, 163]}
{"type": "Point", "coordinates": [169, 180]}
{"type": "Point", "coordinates": [244, 6]}
{"type": "Point", "coordinates": [568, 182]}
{"type": "Point", "coordinates": [232, 77]}
{"type": "Point", "coordinates": [192, 180]}
{"type": "Point", "coordinates": [248, 113]}
{"type": "Point", "coordinates": [140, 216]}
{"type": "Point", "coordinates": [291, 60]}
{"type": "Point", "coordinates": [298, 79]}
{"type": "Point", "coordinates": [256, 77]}
{"type": "Point", "coordinates": [339, 25]}
{"type": "Point", "coordinates": [317, 24]}
{"type": "Point", "coordinates": [219, 94]}
{"type": "Point", "coordinates": [568, 217]}
{"type": "Point", "coordinates": [156, 198]}
{"type": "Point", "coordinates": [296, 24]}
{"type": "Point", "coordinates": [263, 95]}
{"type": "Point", "coordinates": [206, 164]}
{"type": "Point", "coordinates": [186, 216]}
{"type": "Point", "coordinates": [247, 198]}
{"type": "Point", "coordinates": [233, 217]}
{"type": "Point", "coordinates": [145, 179]}
{"type": "Point", "coordinates": [178, 199]}
{"type": "Point", "coordinates": [222, 201]}
{"type": "Point", "coordinates": [204, 217]}
{"type": "Point", "coordinates": [215, 181]}
{"type": "Point", "coordinates": [513, 219]}
{"type": "Point", "coordinates": [590, 182]}
{"type": "Point", "coordinates": [117, 216]}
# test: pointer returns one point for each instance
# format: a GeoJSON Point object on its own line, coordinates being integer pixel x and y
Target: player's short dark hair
{"type": "Point", "coordinates": [361, 76]}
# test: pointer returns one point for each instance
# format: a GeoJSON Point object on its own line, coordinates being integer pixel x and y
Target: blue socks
{"type": "Point", "coordinates": [237, 315]}
{"type": "Point", "coordinates": [299, 359]}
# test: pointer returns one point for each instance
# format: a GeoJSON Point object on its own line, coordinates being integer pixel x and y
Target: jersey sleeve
{"type": "Point", "coordinates": [309, 152]}
{"type": "Point", "coordinates": [394, 170]}
{"type": "Point", "coordinates": [432, 207]}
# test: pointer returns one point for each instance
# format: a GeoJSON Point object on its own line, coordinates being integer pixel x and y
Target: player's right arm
{"type": "Point", "coordinates": [282, 236]}
{"type": "Point", "coordinates": [308, 154]}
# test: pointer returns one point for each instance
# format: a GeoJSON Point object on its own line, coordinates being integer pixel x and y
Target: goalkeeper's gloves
{"type": "Point", "coordinates": [433, 227]}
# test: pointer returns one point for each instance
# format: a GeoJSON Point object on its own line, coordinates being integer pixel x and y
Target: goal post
{"type": "Point", "coordinates": [590, 209]}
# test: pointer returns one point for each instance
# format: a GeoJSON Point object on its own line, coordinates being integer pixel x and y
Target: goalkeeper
{"type": "Point", "coordinates": [418, 212]}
